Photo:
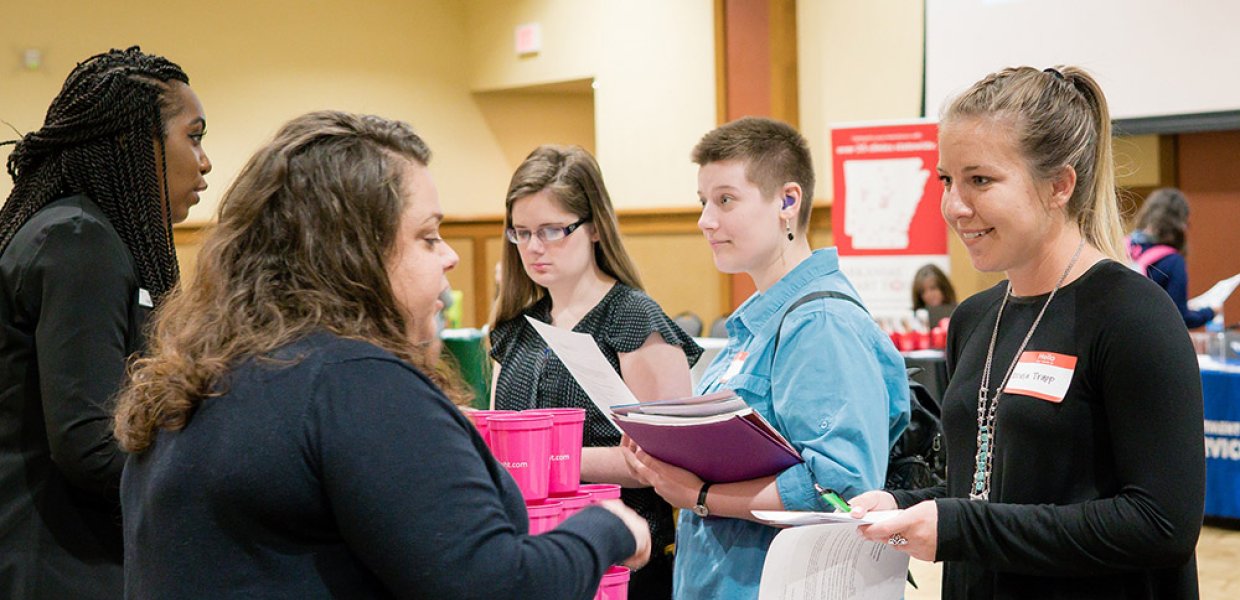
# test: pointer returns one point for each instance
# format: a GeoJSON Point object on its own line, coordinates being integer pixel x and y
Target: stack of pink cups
{"type": "Point", "coordinates": [615, 583]}
{"type": "Point", "coordinates": [541, 449]}
{"type": "Point", "coordinates": [522, 443]}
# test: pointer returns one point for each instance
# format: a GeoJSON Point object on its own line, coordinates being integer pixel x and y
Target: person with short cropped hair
{"type": "Point", "coordinates": [820, 372]}
{"type": "Point", "coordinates": [1073, 416]}
{"type": "Point", "coordinates": [86, 254]}
{"type": "Point", "coordinates": [291, 432]}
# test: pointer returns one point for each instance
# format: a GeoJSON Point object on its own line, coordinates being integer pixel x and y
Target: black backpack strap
{"type": "Point", "coordinates": [806, 298]}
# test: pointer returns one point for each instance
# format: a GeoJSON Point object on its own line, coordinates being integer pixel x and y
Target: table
{"type": "Point", "coordinates": [1220, 387]}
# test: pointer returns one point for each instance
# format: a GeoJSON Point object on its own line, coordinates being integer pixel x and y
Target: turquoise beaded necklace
{"type": "Point", "coordinates": [987, 407]}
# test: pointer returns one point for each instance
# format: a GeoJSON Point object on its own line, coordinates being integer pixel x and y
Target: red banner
{"type": "Point", "coordinates": [887, 192]}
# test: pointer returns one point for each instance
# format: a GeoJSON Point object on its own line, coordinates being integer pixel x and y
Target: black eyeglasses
{"type": "Point", "coordinates": [545, 234]}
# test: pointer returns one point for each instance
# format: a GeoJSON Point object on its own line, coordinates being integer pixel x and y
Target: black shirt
{"type": "Point", "coordinates": [531, 376]}
{"type": "Point", "coordinates": [346, 474]}
{"type": "Point", "coordinates": [70, 314]}
{"type": "Point", "coordinates": [1100, 495]}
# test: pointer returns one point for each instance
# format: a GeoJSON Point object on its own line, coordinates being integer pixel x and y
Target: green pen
{"type": "Point", "coordinates": [830, 497]}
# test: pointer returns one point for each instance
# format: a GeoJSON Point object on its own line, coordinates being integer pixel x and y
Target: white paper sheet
{"type": "Point", "coordinates": [831, 562]}
{"type": "Point", "coordinates": [580, 354]}
{"type": "Point", "coordinates": [804, 517]}
{"type": "Point", "coordinates": [1217, 294]}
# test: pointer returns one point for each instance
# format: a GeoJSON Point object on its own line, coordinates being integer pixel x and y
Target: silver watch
{"type": "Point", "coordinates": [700, 509]}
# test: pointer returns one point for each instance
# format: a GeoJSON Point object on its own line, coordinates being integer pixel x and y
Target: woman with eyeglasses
{"type": "Point", "coordinates": [564, 265]}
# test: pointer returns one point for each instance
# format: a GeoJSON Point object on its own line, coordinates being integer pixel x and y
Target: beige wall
{"type": "Point", "coordinates": [523, 120]}
{"type": "Point", "coordinates": [1138, 161]}
{"type": "Point", "coordinates": [256, 64]}
{"type": "Point", "coordinates": [858, 61]}
{"type": "Point", "coordinates": [652, 62]}
{"type": "Point", "coordinates": [862, 61]}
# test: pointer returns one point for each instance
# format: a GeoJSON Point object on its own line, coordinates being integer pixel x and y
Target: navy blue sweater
{"type": "Point", "coordinates": [1171, 273]}
{"type": "Point", "coordinates": [344, 475]}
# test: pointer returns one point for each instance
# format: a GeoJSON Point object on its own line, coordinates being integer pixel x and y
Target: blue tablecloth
{"type": "Point", "coordinates": [1220, 386]}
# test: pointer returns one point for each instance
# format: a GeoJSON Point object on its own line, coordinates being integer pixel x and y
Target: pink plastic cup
{"type": "Point", "coordinates": [479, 418]}
{"type": "Point", "coordinates": [573, 503]}
{"type": "Point", "coordinates": [566, 432]}
{"type": "Point", "coordinates": [615, 584]}
{"type": "Point", "coordinates": [544, 515]}
{"type": "Point", "coordinates": [600, 491]}
{"type": "Point", "coordinates": [522, 443]}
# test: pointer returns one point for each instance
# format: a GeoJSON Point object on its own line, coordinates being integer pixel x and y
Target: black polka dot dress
{"type": "Point", "coordinates": [531, 376]}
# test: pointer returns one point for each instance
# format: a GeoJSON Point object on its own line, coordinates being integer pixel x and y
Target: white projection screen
{"type": "Point", "coordinates": [1154, 58]}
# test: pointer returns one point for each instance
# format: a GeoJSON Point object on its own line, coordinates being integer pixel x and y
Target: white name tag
{"type": "Point", "coordinates": [738, 361]}
{"type": "Point", "coordinates": [1044, 375]}
{"type": "Point", "coordinates": [144, 298]}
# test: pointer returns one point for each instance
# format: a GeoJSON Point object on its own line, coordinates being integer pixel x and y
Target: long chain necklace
{"type": "Point", "coordinates": [987, 407]}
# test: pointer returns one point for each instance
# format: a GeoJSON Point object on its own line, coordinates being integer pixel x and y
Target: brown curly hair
{"type": "Point", "coordinates": [303, 238]}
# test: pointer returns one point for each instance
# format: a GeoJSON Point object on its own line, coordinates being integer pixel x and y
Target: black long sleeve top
{"type": "Point", "coordinates": [70, 314]}
{"type": "Point", "coordinates": [1098, 496]}
{"type": "Point", "coordinates": [345, 474]}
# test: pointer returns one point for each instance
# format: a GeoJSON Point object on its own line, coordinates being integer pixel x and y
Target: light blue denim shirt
{"type": "Point", "coordinates": [836, 390]}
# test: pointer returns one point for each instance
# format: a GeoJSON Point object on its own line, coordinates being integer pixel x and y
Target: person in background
{"type": "Point", "coordinates": [290, 435]}
{"type": "Point", "coordinates": [1157, 248]}
{"type": "Point", "coordinates": [565, 265]}
{"type": "Point", "coordinates": [1073, 416]}
{"type": "Point", "coordinates": [86, 253]}
{"type": "Point", "coordinates": [932, 288]}
{"type": "Point", "coordinates": [835, 387]}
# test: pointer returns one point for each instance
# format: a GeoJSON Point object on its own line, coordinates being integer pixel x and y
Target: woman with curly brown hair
{"type": "Point", "coordinates": [85, 254]}
{"type": "Point", "coordinates": [289, 433]}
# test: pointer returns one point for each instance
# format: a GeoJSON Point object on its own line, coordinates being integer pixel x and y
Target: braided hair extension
{"type": "Point", "coordinates": [97, 140]}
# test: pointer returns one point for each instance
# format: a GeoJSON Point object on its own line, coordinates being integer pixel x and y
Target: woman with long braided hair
{"type": "Point", "coordinates": [85, 254]}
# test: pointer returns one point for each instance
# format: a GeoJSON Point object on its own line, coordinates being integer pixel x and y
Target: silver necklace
{"type": "Point", "coordinates": [988, 407]}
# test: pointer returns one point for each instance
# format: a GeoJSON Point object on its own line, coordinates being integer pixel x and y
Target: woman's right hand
{"type": "Point", "coordinates": [637, 526]}
{"type": "Point", "coordinates": [875, 500]}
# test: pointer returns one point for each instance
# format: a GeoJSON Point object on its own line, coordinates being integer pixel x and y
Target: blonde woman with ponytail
{"type": "Point", "coordinates": [1073, 418]}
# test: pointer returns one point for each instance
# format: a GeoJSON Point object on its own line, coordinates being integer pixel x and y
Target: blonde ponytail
{"type": "Point", "coordinates": [1061, 119]}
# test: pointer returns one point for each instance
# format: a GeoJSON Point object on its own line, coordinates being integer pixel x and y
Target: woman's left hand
{"type": "Point", "coordinates": [676, 485]}
{"type": "Point", "coordinates": [918, 526]}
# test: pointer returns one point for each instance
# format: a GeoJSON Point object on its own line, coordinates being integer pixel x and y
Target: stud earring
{"type": "Point", "coordinates": [788, 228]}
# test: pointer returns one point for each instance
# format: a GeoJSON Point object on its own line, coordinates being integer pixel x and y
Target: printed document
{"type": "Point", "coordinates": [580, 354]}
{"type": "Point", "coordinates": [1217, 294]}
{"type": "Point", "coordinates": [831, 562]}
{"type": "Point", "coordinates": [807, 517]}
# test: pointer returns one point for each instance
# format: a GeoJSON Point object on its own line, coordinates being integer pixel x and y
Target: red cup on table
{"type": "Point", "coordinates": [522, 444]}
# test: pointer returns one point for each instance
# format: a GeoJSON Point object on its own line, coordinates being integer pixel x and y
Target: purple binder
{"type": "Point", "coordinates": [738, 448]}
